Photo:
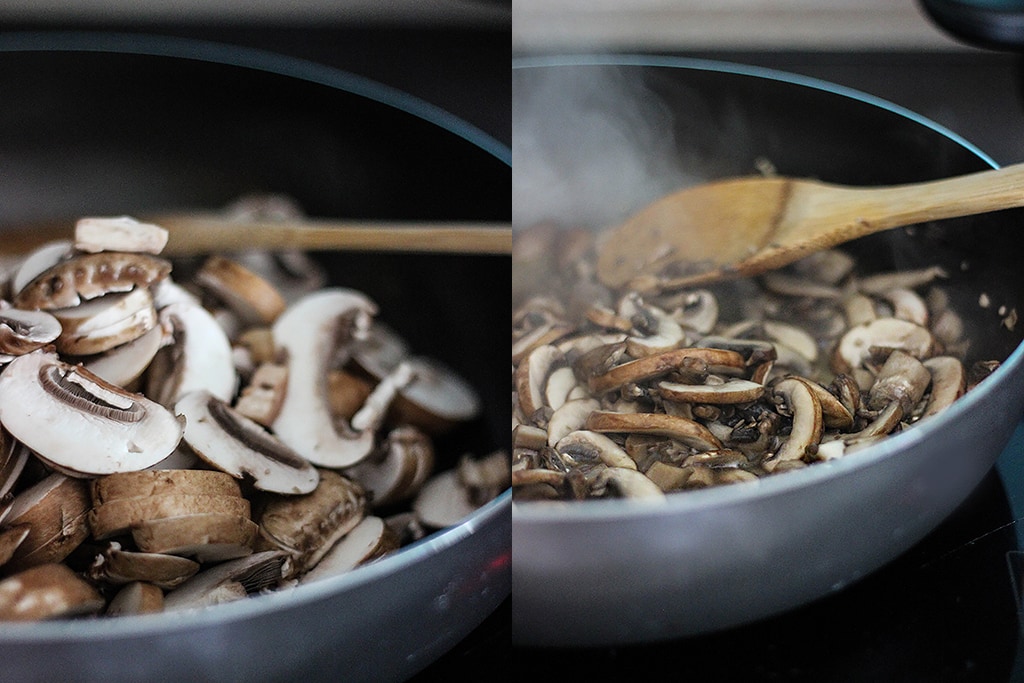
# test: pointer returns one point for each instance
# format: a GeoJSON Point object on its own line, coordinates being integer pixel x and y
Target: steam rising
{"type": "Point", "coordinates": [589, 146]}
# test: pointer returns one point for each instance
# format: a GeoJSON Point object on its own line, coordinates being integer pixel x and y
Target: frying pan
{"type": "Point", "coordinates": [108, 124]}
{"type": "Point", "coordinates": [605, 572]}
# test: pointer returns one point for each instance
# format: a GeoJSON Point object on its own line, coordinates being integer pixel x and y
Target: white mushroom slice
{"type": "Point", "coordinates": [688, 431]}
{"type": "Point", "coordinates": [829, 266]}
{"type": "Point", "coordinates": [255, 300]}
{"type": "Point", "coordinates": [629, 483]}
{"type": "Point", "coordinates": [370, 540]}
{"type": "Point", "coordinates": [121, 233]}
{"type": "Point", "coordinates": [907, 279]}
{"type": "Point", "coordinates": [375, 408]}
{"type": "Point", "coordinates": [795, 285]}
{"type": "Point", "coordinates": [56, 510]}
{"type": "Point", "coordinates": [733, 391]}
{"type": "Point", "coordinates": [261, 397]}
{"type": "Point", "coordinates": [234, 579]}
{"type": "Point", "coordinates": [24, 331]}
{"type": "Point", "coordinates": [948, 383]}
{"type": "Point", "coordinates": [160, 482]}
{"type": "Point", "coordinates": [559, 386]}
{"type": "Point", "coordinates": [119, 516]}
{"type": "Point", "coordinates": [105, 322]}
{"type": "Point", "coordinates": [793, 337]}
{"type": "Point", "coordinates": [124, 364]}
{"type": "Point", "coordinates": [136, 598]}
{"type": "Point", "coordinates": [699, 311]}
{"type": "Point", "coordinates": [443, 501]}
{"type": "Point", "coordinates": [803, 405]}
{"type": "Point", "coordinates": [181, 458]}
{"type": "Point", "coordinates": [834, 412]}
{"type": "Point", "coordinates": [584, 445]}
{"type": "Point", "coordinates": [233, 443]}
{"type": "Point", "coordinates": [855, 346]}
{"type": "Point", "coordinates": [907, 305]}
{"type": "Point", "coordinates": [859, 309]}
{"type": "Point", "coordinates": [397, 469]}
{"type": "Point", "coordinates": [902, 379]}
{"type": "Point", "coordinates": [484, 477]}
{"type": "Point", "coordinates": [205, 536]}
{"type": "Point", "coordinates": [199, 357]}
{"type": "Point", "coordinates": [88, 276]}
{"type": "Point", "coordinates": [665, 332]}
{"type": "Point", "coordinates": [167, 291]}
{"type": "Point", "coordinates": [380, 351]}
{"type": "Point", "coordinates": [47, 592]}
{"type": "Point", "coordinates": [531, 376]}
{"type": "Point", "coordinates": [308, 332]}
{"type": "Point", "coordinates": [307, 526]}
{"type": "Point", "coordinates": [570, 417]}
{"type": "Point", "coordinates": [117, 566]}
{"type": "Point", "coordinates": [40, 260]}
{"type": "Point", "coordinates": [437, 399]}
{"type": "Point", "coordinates": [76, 421]}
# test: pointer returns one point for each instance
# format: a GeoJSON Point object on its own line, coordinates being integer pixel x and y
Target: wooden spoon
{"type": "Point", "coordinates": [745, 226]}
{"type": "Point", "coordinates": [204, 233]}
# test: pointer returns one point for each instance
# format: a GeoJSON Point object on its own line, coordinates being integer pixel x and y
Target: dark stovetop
{"type": "Point", "coordinates": [948, 609]}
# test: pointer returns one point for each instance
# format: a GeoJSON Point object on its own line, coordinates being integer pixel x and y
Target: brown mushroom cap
{"type": "Point", "coordinates": [205, 536]}
{"type": "Point", "coordinates": [118, 516]}
{"type": "Point", "coordinates": [45, 592]}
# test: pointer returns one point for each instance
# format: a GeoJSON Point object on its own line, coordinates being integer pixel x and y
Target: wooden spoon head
{"type": "Point", "coordinates": [698, 230]}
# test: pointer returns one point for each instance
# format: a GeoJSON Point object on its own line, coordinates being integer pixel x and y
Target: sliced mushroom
{"type": "Point", "coordinates": [654, 330]}
{"type": "Point", "coordinates": [198, 357]}
{"type": "Point", "coordinates": [14, 455]}
{"type": "Point", "coordinates": [121, 515]}
{"type": "Point", "coordinates": [570, 417]}
{"type": "Point", "coordinates": [689, 432]}
{"type": "Point", "coordinates": [121, 233]}
{"type": "Point", "coordinates": [123, 365]}
{"type": "Point", "coordinates": [380, 351]}
{"type": "Point", "coordinates": [105, 322]}
{"type": "Point", "coordinates": [307, 526]}
{"type": "Point", "coordinates": [308, 332]}
{"type": "Point", "coordinates": [731, 392]}
{"type": "Point", "coordinates": [205, 536]}
{"type": "Point", "coordinates": [47, 591]}
{"type": "Point", "coordinates": [11, 537]}
{"type": "Point", "coordinates": [902, 379]}
{"type": "Point", "coordinates": [261, 397]}
{"type": "Point", "coordinates": [589, 446]}
{"type": "Point", "coordinates": [531, 376]}
{"type": "Point", "coordinates": [55, 509]}
{"type": "Point", "coordinates": [907, 305]}
{"type": "Point", "coordinates": [371, 539]}
{"type": "Point", "coordinates": [103, 428]}
{"type": "Point", "coordinates": [443, 501]}
{"type": "Point", "coordinates": [793, 337]}
{"type": "Point", "coordinates": [227, 581]}
{"type": "Point", "coordinates": [375, 408]}
{"type": "Point", "coordinates": [398, 468]}
{"type": "Point", "coordinates": [856, 345]}
{"type": "Point", "coordinates": [948, 383]}
{"type": "Point", "coordinates": [803, 404]}
{"type": "Point", "coordinates": [656, 365]}
{"type": "Point", "coordinates": [88, 276]}
{"type": "Point", "coordinates": [233, 443]}
{"type": "Point", "coordinates": [24, 331]}
{"type": "Point", "coordinates": [117, 566]}
{"type": "Point", "coordinates": [255, 300]}
{"type": "Point", "coordinates": [40, 260]}
{"type": "Point", "coordinates": [346, 393]}
{"type": "Point", "coordinates": [880, 283]}
{"type": "Point", "coordinates": [628, 483]}
{"type": "Point", "coordinates": [136, 598]}
{"type": "Point", "coordinates": [162, 482]}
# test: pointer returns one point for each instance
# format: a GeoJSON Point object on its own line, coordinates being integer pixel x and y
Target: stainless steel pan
{"type": "Point", "coordinates": [95, 124]}
{"type": "Point", "coordinates": [616, 572]}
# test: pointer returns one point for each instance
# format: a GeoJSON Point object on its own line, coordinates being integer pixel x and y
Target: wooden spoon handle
{"type": "Point", "coordinates": [198, 233]}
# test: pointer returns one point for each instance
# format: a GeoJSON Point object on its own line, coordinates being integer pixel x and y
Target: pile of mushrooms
{"type": "Point", "coordinates": [641, 393]}
{"type": "Point", "coordinates": [171, 444]}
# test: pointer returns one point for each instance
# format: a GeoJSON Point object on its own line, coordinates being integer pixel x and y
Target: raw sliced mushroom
{"type": "Point", "coordinates": [47, 591]}
{"type": "Point", "coordinates": [119, 516]}
{"type": "Point", "coordinates": [123, 365]}
{"type": "Point", "coordinates": [88, 276]}
{"type": "Point", "coordinates": [56, 511]}
{"type": "Point", "coordinates": [227, 581]}
{"type": "Point", "coordinates": [120, 233]}
{"type": "Point", "coordinates": [205, 536]}
{"type": "Point", "coordinates": [261, 397]}
{"type": "Point", "coordinates": [103, 428]}
{"type": "Point", "coordinates": [233, 443]}
{"type": "Point", "coordinates": [398, 468]}
{"type": "Point", "coordinates": [255, 300]}
{"type": "Point", "coordinates": [305, 527]}
{"type": "Point", "coordinates": [443, 501]}
{"type": "Point", "coordinates": [162, 482]}
{"type": "Point", "coordinates": [380, 351]}
{"type": "Point", "coordinates": [198, 357]}
{"type": "Point", "coordinates": [105, 322]}
{"type": "Point", "coordinates": [371, 539]}
{"type": "Point", "coordinates": [11, 537]}
{"type": "Point", "coordinates": [14, 455]}
{"type": "Point", "coordinates": [117, 566]}
{"type": "Point", "coordinates": [136, 597]}
{"type": "Point", "coordinates": [346, 393]}
{"type": "Point", "coordinates": [40, 260]}
{"type": "Point", "coordinates": [23, 331]}
{"type": "Point", "coordinates": [308, 332]}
